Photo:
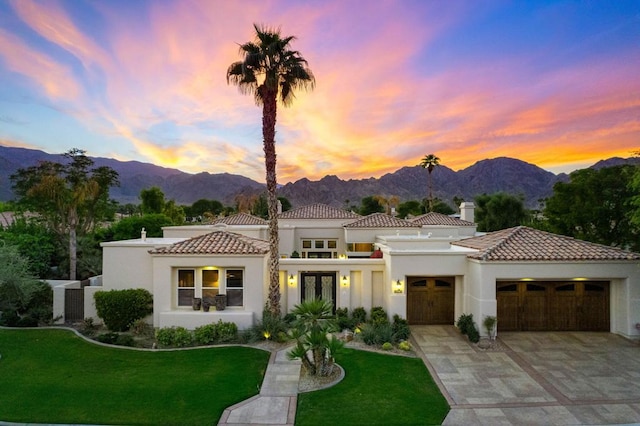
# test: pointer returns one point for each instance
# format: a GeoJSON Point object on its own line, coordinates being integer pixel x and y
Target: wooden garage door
{"type": "Point", "coordinates": [430, 300]}
{"type": "Point", "coordinates": [553, 306]}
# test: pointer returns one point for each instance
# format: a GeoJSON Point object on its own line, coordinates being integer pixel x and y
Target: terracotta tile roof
{"type": "Point", "coordinates": [527, 244]}
{"type": "Point", "coordinates": [433, 218]}
{"type": "Point", "coordinates": [318, 211]}
{"type": "Point", "coordinates": [219, 242]}
{"type": "Point", "coordinates": [381, 220]}
{"type": "Point", "coordinates": [239, 219]}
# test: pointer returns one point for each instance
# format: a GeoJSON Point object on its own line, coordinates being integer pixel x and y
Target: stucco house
{"type": "Point", "coordinates": [429, 270]}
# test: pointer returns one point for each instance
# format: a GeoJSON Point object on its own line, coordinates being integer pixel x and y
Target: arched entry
{"type": "Point", "coordinates": [430, 300]}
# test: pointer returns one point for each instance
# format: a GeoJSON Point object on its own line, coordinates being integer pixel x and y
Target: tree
{"type": "Point", "coordinates": [499, 211]}
{"type": "Point", "coordinates": [152, 200]}
{"type": "Point", "coordinates": [202, 206]}
{"type": "Point", "coordinates": [634, 186]}
{"type": "Point", "coordinates": [370, 205]}
{"type": "Point", "coordinates": [36, 242]}
{"type": "Point", "coordinates": [411, 207]}
{"type": "Point", "coordinates": [429, 162]}
{"type": "Point", "coordinates": [70, 197]}
{"type": "Point", "coordinates": [595, 205]}
{"type": "Point", "coordinates": [270, 69]}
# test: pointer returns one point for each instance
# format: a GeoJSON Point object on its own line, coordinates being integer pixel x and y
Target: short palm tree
{"type": "Point", "coordinates": [429, 162]}
{"type": "Point", "coordinates": [269, 68]}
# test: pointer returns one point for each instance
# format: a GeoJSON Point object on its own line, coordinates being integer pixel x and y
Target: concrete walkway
{"type": "Point", "coordinates": [276, 403]}
{"type": "Point", "coordinates": [534, 378]}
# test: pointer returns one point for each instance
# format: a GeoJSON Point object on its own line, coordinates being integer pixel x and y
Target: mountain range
{"type": "Point", "coordinates": [489, 176]}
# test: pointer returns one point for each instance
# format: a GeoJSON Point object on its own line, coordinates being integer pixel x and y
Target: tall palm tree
{"type": "Point", "coordinates": [269, 68]}
{"type": "Point", "coordinates": [429, 162]}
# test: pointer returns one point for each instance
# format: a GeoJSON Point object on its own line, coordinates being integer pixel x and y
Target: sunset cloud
{"type": "Point", "coordinates": [396, 80]}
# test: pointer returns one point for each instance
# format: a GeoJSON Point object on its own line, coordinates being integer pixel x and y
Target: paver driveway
{"type": "Point", "coordinates": [535, 378]}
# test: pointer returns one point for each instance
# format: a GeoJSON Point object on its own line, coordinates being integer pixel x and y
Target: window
{"type": "Point", "coordinates": [210, 284]}
{"type": "Point", "coordinates": [206, 283]}
{"type": "Point", "coordinates": [322, 249]}
{"type": "Point", "coordinates": [186, 286]}
{"type": "Point", "coordinates": [360, 247]}
{"type": "Point", "coordinates": [235, 287]}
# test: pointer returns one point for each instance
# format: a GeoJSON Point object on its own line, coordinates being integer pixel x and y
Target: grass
{"type": "Point", "coordinates": [377, 389]}
{"type": "Point", "coordinates": [53, 376]}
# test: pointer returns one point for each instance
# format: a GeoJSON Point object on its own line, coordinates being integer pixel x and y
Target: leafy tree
{"type": "Point", "coordinates": [499, 211]}
{"type": "Point", "coordinates": [440, 206]}
{"type": "Point", "coordinates": [370, 205]}
{"type": "Point", "coordinates": [35, 242]}
{"type": "Point", "coordinates": [174, 211]}
{"type": "Point", "coordinates": [71, 197]}
{"type": "Point", "coordinates": [260, 206]}
{"type": "Point", "coordinates": [634, 186]}
{"type": "Point", "coordinates": [270, 69]}
{"type": "Point", "coordinates": [152, 200]}
{"type": "Point", "coordinates": [429, 162]}
{"type": "Point", "coordinates": [411, 207]}
{"type": "Point", "coordinates": [24, 301]}
{"type": "Point", "coordinates": [595, 205]}
{"type": "Point", "coordinates": [128, 209]}
{"type": "Point", "coordinates": [202, 206]}
{"type": "Point", "coordinates": [130, 227]}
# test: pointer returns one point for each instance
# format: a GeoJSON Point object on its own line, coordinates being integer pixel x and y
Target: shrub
{"type": "Point", "coordinates": [110, 338]}
{"type": "Point", "coordinates": [401, 330]}
{"type": "Point", "coordinates": [467, 326]}
{"type": "Point", "coordinates": [125, 340]}
{"type": "Point", "coordinates": [343, 320]}
{"type": "Point", "coordinates": [379, 315]}
{"type": "Point", "coordinates": [9, 318]}
{"type": "Point", "coordinates": [359, 315]}
{"type": "Point", "coordinates": [404, 345]}
{"type": "Point", "coordinates": [271, 324]}
{"type": "Point", "coordinates": [174, 337]}
{"type": "Point", "coordinates": [206, 334]}
{"type": "Point", "coordinates": [228, 332]}
{"type": "Point", "coordinates": [88, 327]}
{"type": "Point", "coordinates": [141, 328]}
{"type": "Point", "coordinates": [119, 309]}
{"type": "Point", "coordinates": [387, 346]}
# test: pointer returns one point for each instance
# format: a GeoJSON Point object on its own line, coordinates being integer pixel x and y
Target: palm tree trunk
{"type": "Point", "coordinates": [73, 242]}
{"type": "Point", "coordinates": [268, 133]}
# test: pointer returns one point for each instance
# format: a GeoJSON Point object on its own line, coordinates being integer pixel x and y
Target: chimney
{"type": "Point", "coordinates": [143, 235]}
{"type": "Point", "coordinates": [279, 207]}
{"type": "Point", "coordinates": [466, 211]}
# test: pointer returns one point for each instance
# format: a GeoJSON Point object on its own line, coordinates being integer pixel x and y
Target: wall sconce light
{"type": "Point", "coordinates": [398, 287]}
{"type": "Point", "coordinates": [345, 281]}
{"type": "Point", "coordinates": [292, 280]}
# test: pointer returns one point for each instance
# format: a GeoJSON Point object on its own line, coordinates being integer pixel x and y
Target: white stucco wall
{"type": "Point", "coordinates": [480, 288]}
{"type": "Point", "coordinates": [166, 311]}
{"type": "Point", "coordinates": [190, 231]}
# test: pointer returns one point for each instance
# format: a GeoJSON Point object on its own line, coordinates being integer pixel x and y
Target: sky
{"type": "Point", "coordinates": [553, 83]}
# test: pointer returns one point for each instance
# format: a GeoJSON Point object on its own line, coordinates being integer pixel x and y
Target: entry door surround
{"type": "Point", "coordinates": [319, 285]}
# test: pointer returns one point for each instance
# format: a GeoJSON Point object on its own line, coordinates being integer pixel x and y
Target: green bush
{"type": "Point", "coordinates": [379, 315]}
{"type": "Point", "coordinates": [178, 337]}
{"type": "Point", "coordinates": [228, 332]}
{"type": "Point", "coordinates": [359, 315]}
{"type": "Point", "coordinates": [119, 309]}
{"type": "Point", "coordinates": [387, 346]}
{"type": "Point", "coordinates": [467, 326]}
{"type": "Point", "coordinates": [110, 338]}
{"type": "Point", "coordinates": [125, 340]}
{"type": "Point", "coordinates": [376, 334]}
{"type": "Point", "coordinates": [206, 334]}
{"type": "Point", "coordinates": [401, 330]}
{"type": "Point", "coordinates": [343, 320]}
{"type": "Point", "coordinates": [404, 345]}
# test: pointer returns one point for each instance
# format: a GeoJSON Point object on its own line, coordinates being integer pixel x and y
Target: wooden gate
{"type": "Point", "coordinates": [430, 300]}
{"type": "Point", "coordinates": [74, 304]}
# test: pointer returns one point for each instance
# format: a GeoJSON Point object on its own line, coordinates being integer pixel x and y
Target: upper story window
{"type": "Point", "coordinates": [320, 249]}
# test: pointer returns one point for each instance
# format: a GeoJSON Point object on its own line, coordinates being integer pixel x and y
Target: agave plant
{"type": "Point", "coordinates": [316, 347]}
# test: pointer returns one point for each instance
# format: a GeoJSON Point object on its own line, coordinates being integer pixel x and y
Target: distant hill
{"type": "Point", "coordinates": [408, 183]}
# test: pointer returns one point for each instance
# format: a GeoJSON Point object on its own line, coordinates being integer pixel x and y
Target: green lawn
{"type": "Point", "coordinates": [53, 376]}
{"type": "Point", "coordinates": [377, 389]}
